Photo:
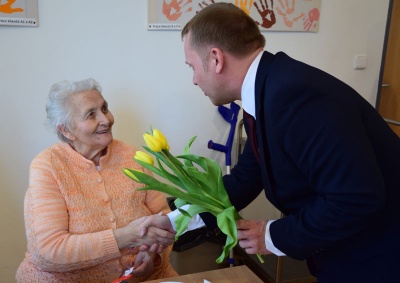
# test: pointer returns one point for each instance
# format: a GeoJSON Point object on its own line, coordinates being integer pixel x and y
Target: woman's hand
{"type": "Point", "coordinates": [145, 263]}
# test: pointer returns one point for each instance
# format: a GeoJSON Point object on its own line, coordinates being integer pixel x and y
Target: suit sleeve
{"type": "Point", "coordinates": [328, 142]}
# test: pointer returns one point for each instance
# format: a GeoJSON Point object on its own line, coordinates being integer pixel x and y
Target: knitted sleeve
{"type": "Point", "coordinates": [52, 247]}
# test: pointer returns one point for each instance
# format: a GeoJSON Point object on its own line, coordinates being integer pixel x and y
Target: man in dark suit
{"type": "Point", "coordinates": [323, 155]}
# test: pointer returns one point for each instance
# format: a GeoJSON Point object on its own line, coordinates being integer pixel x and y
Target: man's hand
{"type": "Point", "coordinates": [159, 223]}
{"type": "Point", "coordinates": [152, 233]}
{"type": "Point", "coordinates": [251, 236]}
{"type": "Point", "coordinates": [156, 224]}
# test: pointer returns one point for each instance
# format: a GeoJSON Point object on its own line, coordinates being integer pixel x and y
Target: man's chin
{"type": "Point", "coordinates": [213, 101]}
{"type": "Point", "coordinates": [216, 103]}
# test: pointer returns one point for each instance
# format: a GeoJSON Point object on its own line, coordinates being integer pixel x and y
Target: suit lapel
{"type": "Point", "coordinates": [261, 125]}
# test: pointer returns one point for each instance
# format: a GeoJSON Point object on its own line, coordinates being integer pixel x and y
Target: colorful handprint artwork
{"type": "Point", "coordinates": [274, 15]}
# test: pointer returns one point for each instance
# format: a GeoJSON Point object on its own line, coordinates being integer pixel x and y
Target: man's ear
{"type": "Point", "coordinates": [217, 58]}
{"type": "Point", "coordinates": [66, 132]}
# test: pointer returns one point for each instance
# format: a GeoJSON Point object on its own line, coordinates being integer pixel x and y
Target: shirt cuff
{"type": "Point", "coordinates": [194, 223]}
{"type": "Point", "coordinates": [268, 241]}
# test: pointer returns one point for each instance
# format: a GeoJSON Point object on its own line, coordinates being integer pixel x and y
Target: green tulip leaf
{"type": "Point", "coordinates": [226, 221]}
{"type": "Point", "coordinates": [182, 222]}
{"type": "Point", "coordinates": [179, 202]}
{"type": "Point", "coordinates": [187, 151]}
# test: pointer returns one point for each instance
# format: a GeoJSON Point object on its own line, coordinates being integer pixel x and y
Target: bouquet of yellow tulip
{"type": "Point", "coordinates": [202, 189]}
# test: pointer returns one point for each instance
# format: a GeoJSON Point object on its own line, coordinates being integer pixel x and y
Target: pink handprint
{"type": "Point", "coordinates": [172, 9]}
{"type": "Point", "coordinates": [267, 14]}
{"type": "Point", "coordinates": [286, 10]}
{"type": "Point", "coordinates": [313, 17]}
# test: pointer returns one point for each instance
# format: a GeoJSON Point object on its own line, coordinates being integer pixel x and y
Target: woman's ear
{"type": "Point", "coordinates": [217, 58]}
{"type": "Point", "coordinates": [66, 132]}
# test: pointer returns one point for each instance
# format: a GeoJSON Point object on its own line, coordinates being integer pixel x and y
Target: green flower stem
{"type": "Point", "coordinates": [213, 172]}
{"type": "Point", "coordinates": [177, 167]}
{"type": "Point", "coordinates": [171, 157]}
{"type": "Point", "coordinates": [189, 198]}
{"type": "Point", "coordinates": [180, 173]}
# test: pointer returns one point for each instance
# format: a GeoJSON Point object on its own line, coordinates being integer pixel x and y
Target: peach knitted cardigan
{"type": "Point", "coordinates": [71, 210]}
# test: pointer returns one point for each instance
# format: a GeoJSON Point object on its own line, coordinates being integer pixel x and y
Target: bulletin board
{"type": "Point", "coordinates": [270, 15]}
{"type": "Point", "coordinates": [19, 13]}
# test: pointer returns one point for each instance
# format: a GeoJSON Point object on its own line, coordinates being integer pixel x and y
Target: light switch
{"type": "Point", "coordinates": [360, 62]}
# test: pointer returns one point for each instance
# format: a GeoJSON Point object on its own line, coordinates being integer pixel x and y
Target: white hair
{"type": "Point", "coordinates": [58, 106]}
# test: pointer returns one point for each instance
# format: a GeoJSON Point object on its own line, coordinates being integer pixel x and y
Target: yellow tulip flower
{"type": "Point", "coordinates": [152, 142]}
{"type": "Point", "coordinates": [164, 143]}
{"type": "Point", "coordinates": [143, 156]}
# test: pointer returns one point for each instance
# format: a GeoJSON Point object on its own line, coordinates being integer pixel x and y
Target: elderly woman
{"type": "Point", "coordinates": [82, 214]}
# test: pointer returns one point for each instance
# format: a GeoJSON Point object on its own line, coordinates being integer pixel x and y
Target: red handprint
{"type": "Point", "coordinates": [172, 9]}
{"type": "Point", "coordinates": [311, 21]}
{"type": "Point", "coordinates": [267, 14]}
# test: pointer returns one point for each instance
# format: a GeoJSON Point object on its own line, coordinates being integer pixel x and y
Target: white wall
{"type": "Point", "coordinates": [145, 80]}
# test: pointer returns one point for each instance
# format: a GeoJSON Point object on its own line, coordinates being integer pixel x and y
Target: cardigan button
{"type": "Point", "coordinates": [107, 199]}
{"type": "Point", "coordinates": [99, 180]}
{"type": "Point", "coordinates": [112, 219]}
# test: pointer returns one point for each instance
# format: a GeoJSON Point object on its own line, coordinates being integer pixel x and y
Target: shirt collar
{"type": "Point", "coordinates": [248, 87]}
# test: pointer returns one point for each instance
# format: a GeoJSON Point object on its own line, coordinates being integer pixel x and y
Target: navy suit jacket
{"type": "Point", "coordinates": [331, 164]}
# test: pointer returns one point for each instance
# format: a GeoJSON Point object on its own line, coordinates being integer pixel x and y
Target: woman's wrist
{"type": "Point", "coordinates": [124, 239]}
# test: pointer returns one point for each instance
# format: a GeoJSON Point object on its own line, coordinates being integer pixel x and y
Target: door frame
{"type": "Point", "coordinates": [385, 43]}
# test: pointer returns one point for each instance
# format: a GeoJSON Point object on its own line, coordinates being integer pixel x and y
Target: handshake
{"type": "Point", "coordinates": [151, 233]}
